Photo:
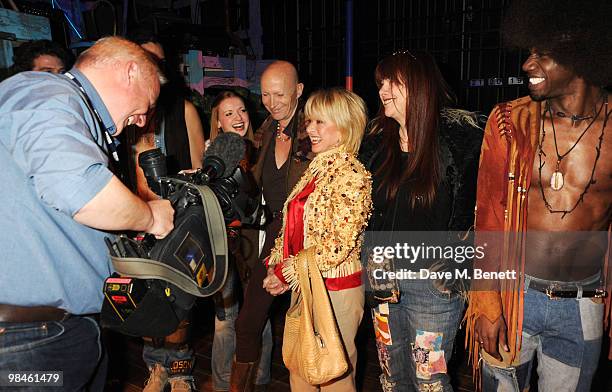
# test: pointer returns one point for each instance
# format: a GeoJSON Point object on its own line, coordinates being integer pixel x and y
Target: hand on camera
{"type": "Point", "coordinates": [188, 171]}
{"type": "Point", "coordinates": [163, 218]}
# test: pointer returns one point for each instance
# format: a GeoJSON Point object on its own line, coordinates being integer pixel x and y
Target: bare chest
{"type": "Point", "coordinates": [571, 185]}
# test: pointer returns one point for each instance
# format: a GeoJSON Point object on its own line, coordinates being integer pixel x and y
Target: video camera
{"type": "Point", "coordinates": [235, 188]}
{"type": "Point", "coordinates": [160, 279]}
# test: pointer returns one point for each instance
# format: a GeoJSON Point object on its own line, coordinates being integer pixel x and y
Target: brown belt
{"type": "Point", "coordinates": [27, 314]}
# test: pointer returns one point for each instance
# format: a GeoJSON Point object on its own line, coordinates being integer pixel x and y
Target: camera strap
{"type": "Point", "coordinates": [151, 269]}
{"type": "Point", "coordinates": [110, 142]}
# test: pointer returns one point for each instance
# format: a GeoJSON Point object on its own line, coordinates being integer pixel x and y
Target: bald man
{"type": "Point", "coordinates": [284, 156]}
{"type": "Point", "coordinates": [62, 201]}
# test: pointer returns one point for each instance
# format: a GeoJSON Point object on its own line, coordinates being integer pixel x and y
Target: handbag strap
{"type": "Point", "coordinates": [152, 269]}
{"type": "Point", "coordinates": [311, 285]}
{"type": "Point", "coordinates": [318, 290]}
{"type": "Point", "coordinates": [304, 279]}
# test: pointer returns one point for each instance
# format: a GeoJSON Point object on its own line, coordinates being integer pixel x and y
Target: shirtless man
{"type": "Point", "coordinates": [545, 175]}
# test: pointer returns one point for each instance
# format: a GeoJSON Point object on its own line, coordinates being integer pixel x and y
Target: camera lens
{"type": "Point", "coordinates": [153, 163]}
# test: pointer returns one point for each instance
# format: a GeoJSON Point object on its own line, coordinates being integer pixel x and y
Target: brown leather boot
{"type": "Point", "coordinates": [243, 376]}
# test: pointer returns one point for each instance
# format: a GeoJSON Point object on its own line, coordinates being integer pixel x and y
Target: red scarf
{"type": "Point", "coordinates": [293, 241]}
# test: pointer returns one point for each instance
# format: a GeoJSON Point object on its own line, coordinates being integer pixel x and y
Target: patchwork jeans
{"type": "Point", "coordinates": [565, 334]}
{"type": "Point", "coordinates": [415, 337]}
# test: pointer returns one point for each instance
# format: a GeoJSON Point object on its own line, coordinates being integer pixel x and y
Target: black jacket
{"type": "Point", "coordinates": [453, 207]}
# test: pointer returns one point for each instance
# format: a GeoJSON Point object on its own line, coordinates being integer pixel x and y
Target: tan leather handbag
{"type": "Point", "coordinates": [312, 345]}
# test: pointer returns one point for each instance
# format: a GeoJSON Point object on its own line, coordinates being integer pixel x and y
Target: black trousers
{"type": "Point", "coordinates": [257, 302]}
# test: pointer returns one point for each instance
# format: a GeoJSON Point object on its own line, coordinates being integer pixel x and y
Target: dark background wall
{"type": "Point", "coordinates": [463, 35]}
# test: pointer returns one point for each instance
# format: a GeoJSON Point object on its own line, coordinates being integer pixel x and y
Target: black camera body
{"type": "Point", "coordinates": [235, 188]}
{"type": "Point", "coordinates": [159, 280]}
{"type": "Point", "coordinates": [238, 195]}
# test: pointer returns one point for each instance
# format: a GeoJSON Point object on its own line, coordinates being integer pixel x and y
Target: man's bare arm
{"type": "Point", "coordinates": [116, 208]}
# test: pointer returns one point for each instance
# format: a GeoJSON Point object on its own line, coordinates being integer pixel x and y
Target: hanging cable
{"type": "Point", "coordinates": [72, 25]}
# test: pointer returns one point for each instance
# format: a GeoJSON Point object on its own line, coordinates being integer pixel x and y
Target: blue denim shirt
{"type": "Point", "coordinates": [53, 161]}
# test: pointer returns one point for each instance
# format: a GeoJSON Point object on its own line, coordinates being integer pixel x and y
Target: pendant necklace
{"type": "Point", "coordinates": [557, 180]}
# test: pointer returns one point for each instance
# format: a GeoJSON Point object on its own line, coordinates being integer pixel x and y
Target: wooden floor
{"type": "Point", "coordinates": [127, 371]}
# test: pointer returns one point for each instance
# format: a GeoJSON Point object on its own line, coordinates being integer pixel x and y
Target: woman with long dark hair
{"type": "Point", "coordinates": [423, 155]}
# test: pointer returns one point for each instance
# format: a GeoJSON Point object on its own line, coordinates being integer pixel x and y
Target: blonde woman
{"type": "Point", "coordinates": [327, 210]}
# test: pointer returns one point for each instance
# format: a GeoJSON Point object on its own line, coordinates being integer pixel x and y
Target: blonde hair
{"type": "Point", "coordinates": [345, 109]}
{"type": "Point", "coordinates": [214, 115]}
{"type": "Point", "coordinates": [110, 50]}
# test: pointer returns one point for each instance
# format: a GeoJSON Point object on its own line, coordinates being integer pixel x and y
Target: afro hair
{"type": "Point", "coordinates": [576, 34]}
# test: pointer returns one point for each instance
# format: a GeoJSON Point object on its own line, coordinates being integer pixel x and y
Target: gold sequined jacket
{"type": "Point", "coordinates": [335, 215]}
